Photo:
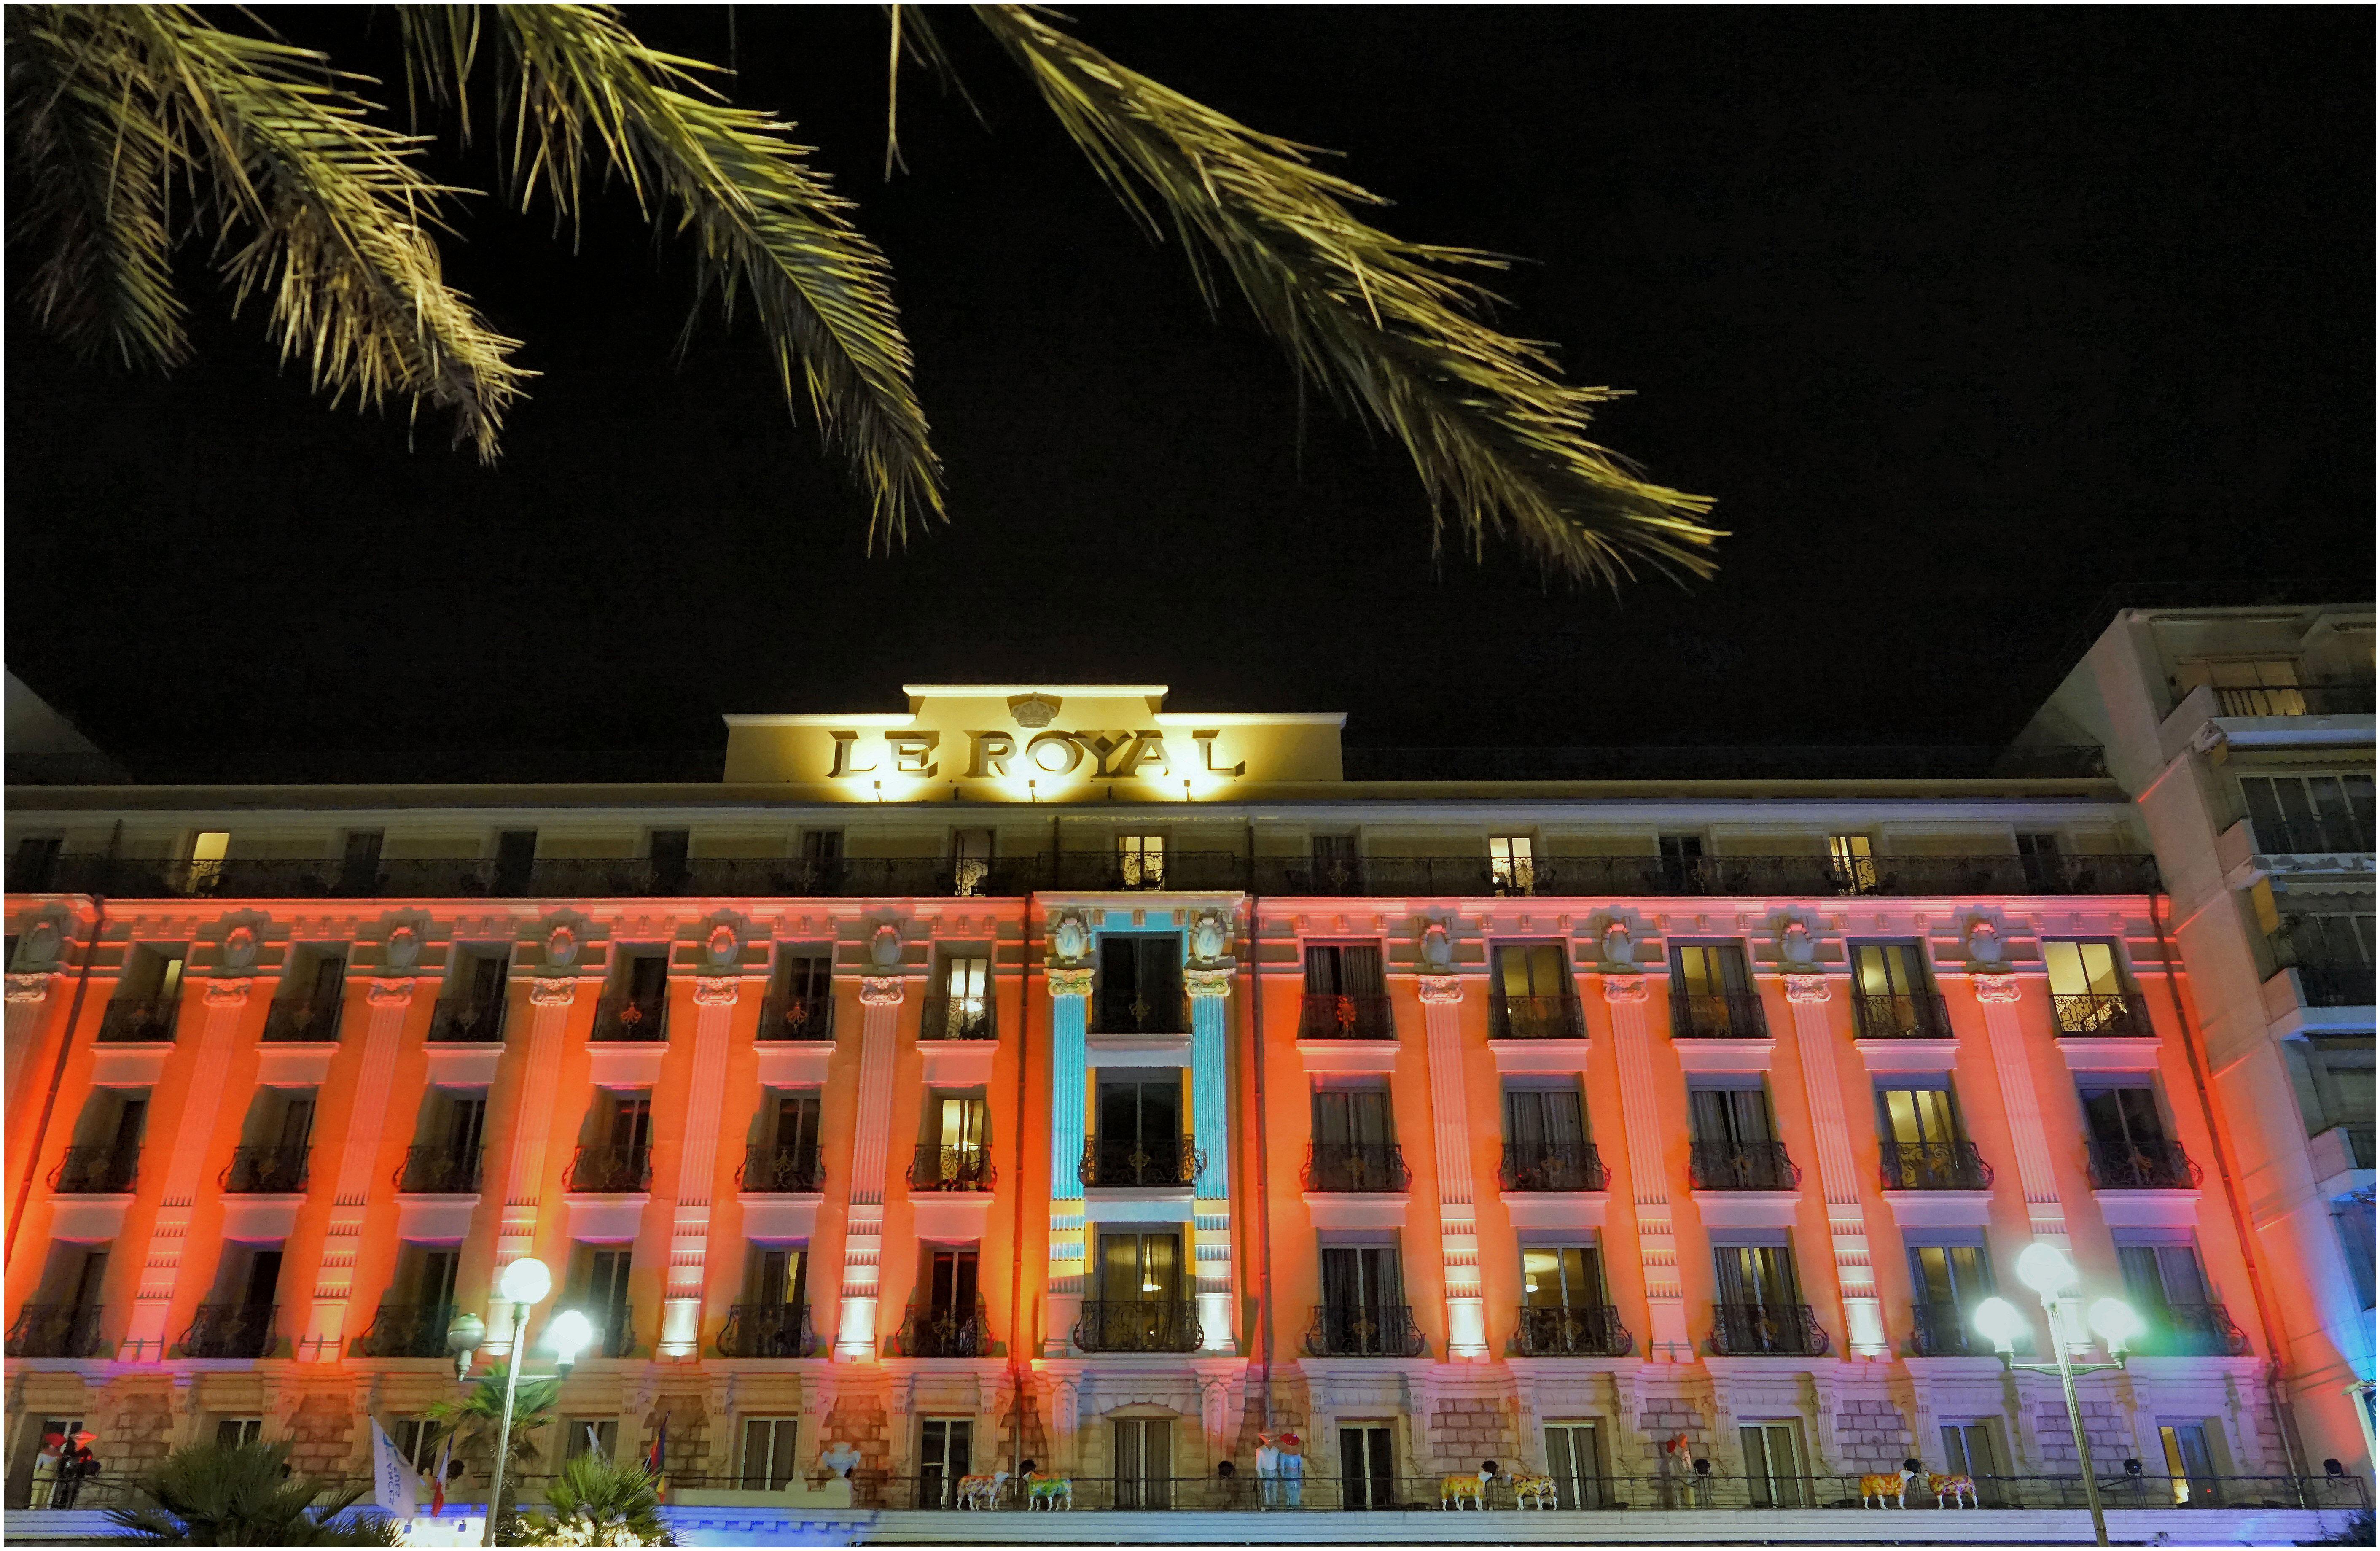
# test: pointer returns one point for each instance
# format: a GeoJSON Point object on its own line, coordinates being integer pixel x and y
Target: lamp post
{"type": "Point", "coordinates": [525, 1283]}
{"type": "Point", "coordinates": [2045, 1268]}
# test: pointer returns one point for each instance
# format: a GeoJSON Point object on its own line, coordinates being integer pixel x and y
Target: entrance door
{"type": "Point", "coordinates": [1969, 1449]}
{"type": "Point", "coordinates": [944, 1458]}
{"type": "Point", "coordinates": [1772, 1465]}
{"type": "Point", "coordinates": [2190, 1462]}
{"type": "Point", "coordinates": [1368, 1468]}
{"type": "Point", "coordinates": [1144, 1461]}
{"type": "Point", "coordinates": [1575, 1459]}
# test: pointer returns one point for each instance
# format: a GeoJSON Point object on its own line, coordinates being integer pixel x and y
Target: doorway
{"type": "Point", "coordinates": [945, 1457]}
{"type": "Point", "coordinates": [1143, 1453]}
{"type": "Point", "coordinates": [1368, 1468]}
{"type": "Point", "coordinates": [1575, 1459]}
{"type": "Point", "coordinates": [1772, 1465]}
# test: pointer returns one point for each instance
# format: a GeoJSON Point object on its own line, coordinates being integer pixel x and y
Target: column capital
{"type": "Point", "coordinates": [1995, 988]}
{"type": "Point", "coordinates": [1441, 990]}
{"type": "Point", "coordinates": [1068, 983]}
{"type": "Point", "coordinates": [228, 993]}
{"type": "Point", "coordinates": [389, 993]}
{"type": "Point", "coordinates": [1806, 988]}
{"type": "Point", "coordinates": [881, 991]}
{"type": "Point", "coordinates": [716, 991]}
{"type": "Point", "coordinates": [553, 991]}
{"type": "Point", "coordinates": [31, 988]}
{"type": "Point", "coordinates": [1202, 984]}
{"type": "Point", "coordinates": [1626, 988]}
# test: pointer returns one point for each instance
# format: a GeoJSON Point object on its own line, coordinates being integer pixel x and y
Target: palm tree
{"type": "Point", "coordinates": [605, 1495]}
{"type": "Point", "coordinates": [223, 1494]}
{"type": "Point", "coordinates": [132, 128]}
{"type": "Point", "coordinates": [474, 1419]}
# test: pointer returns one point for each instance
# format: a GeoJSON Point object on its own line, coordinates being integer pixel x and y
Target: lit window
{"type": "Point", "coordinates": [1511, 864]}
{"type": "Point", "coordinates": [1142, 859]}
{"type": "Point", "coordinates": [769, 1453]}
{"type": "Point", "coordinates": [1854, 862]}
{"type": "Point", "coordinates": [207, 850]}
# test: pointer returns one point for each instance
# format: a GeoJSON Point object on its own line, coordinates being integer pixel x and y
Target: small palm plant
{"type": "Point", "coordinates": [473, 1419]}
{"type": "Point", "coordinates": [597, 1502]}
{"type": "Point", "coordinates": [223, 1494]}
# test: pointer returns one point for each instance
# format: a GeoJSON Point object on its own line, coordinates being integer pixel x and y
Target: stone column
{"type": "Point", "coordinates": [1458, 1221]}
{"type": "Point", "coordinates": [863, 1233]}
{"type": "Point", "coordinates": [1210, 1121]}
{"type": "Point", "coordinates": [1639, 1113]}
{"type": "Point", "coordinates": [1837, 1173]}
{"type": "Point", "coordinates": [2026, 1133]}
{"type": "Point", "coordinates": [549, 1000]}
{"type": "Point", "coordinates": [714, 1003]}
{"type": "Point", "coordinates": [1070, 993]}
{"type": "Point", "coordinates": [29, 1007]}
{"type": "Point", "coordinates": [387, 1002]}
{"type": "Point", "coordinates": [160, 1273]}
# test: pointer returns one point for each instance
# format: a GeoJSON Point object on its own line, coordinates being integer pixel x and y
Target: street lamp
{"type": "Point", "coordinates": [2045, 1268]}
{"type": "Point", "coordinates": [526, 1282]}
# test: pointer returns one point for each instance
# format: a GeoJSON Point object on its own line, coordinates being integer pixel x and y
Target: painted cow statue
{"type": "Point", "coordinates": [1050, 1492]}
{"type": "Point", "coordinates": [1949, 1489]}
{"type": "Point", "coordinates": [1533, 1489]}
{"type": "Point", "coordinates": [982, 1491]}
{"type": "Point", "coordinates": [1887, 1491]}
{"type": "Point", "coordinates": [1456, 1491]}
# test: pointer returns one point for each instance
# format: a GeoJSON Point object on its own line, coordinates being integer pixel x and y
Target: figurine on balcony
{"type": "Point", "coordinates": [1889, 1491]}
{"type": "Point", "coordinates": [1293, 1470]}
{"type": "Point", "coordinates": [1454, 1491]}
{"type": "Point", "coordinates": [982, 1491]}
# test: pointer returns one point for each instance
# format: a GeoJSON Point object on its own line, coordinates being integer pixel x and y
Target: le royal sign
{"type": "Point", "coordinates": [1033, 743]}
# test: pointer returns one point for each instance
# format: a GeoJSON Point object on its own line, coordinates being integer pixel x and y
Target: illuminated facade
{"type": "Point", "coordinates": [1040, 1073]}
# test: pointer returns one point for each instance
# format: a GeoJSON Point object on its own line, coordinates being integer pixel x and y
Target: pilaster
{"type": "Point", "coordinates": [1837, 1173]}
{"type": "Point", "coordinates": [1639, 1113]}
{"type": "Point", "coordinates": [862, 1238]}
{"type": "Point", "coordinates": [1458, 1223]}
{"type": "Point", "coordinates": [2027, 1133]}
{"type": "Point", "coordinates": [1210, 991]}
{"type": "Point", "coordinates": [549, 999]}
{"type": "Point", "coordinates": [145, 1334]}
{"type": "Point", "coordinates": [714, 1006]}
{"type": "Point", "coordinates": [386, 1003]}
{"type": "Point", "coordinates": [1070, 991]}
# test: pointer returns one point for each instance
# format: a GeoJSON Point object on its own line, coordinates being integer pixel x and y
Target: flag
{"type": "Point", "coordinates": [437, 1481]}
{"type": "Point", "coordinates": [657, 1457]}
{"type": "Point", "coordinates": [395, 1486]}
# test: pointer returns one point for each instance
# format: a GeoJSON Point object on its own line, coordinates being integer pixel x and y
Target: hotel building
{"type": "Point", "coordinates": [1039, 1072]}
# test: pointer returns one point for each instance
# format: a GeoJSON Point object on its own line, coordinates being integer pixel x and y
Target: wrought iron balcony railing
{"type": "Point", "coordinates": [1933, 1165]}
{"type": "Point", "coordinates": [1552, 1166]}
{"type": "Point", "coordinates": [611, 1170]}
{"type": "Point", "coordinates": [2192, 1331]}
{"type": "Point", "coordinates": [768, 1330]}
{"type": "Point", "coordinates": [1909, 1014]}
{"type": "Point", "coordinates": [615, 1330]}
{"type": "Point", "coordinates": [1357, 1165]}
{"type": "Point", "coordinates": [58, 1330]}
{"type": "Point", "coordinates": [796, 1018]}
{"type": "Point", "coordinates": [1949, 1330]}
{"type": "Point", "coordinates": [302, 1021]}
{"type": "Point", "coordinates": [1572, 1330]}
{"type": "Point", "coordinates": [113, 1169]}
{"type": "Point", "coordinates": [1742, 1165]}
{"type": "Point", "coordinates": [2103, 1014]}
{"type": "Point", "coordinates": [1344, 1015]}
{"type": "Point", "coordinates": [1727, 1015]}
{"type": "Point", "coordinates": [467, 1023]}
{"type": "Point", "coordinates": [1365, 1330]}
{"type": "Point", "coordinates": [1766, 1330]}
{"type": "Point", "coordinates": [967, 1018]}
{"type": "Point", "coordinates": [2295, 700]}
{"type": "Point", "coordinates": [132, 1019]}
{"type": "Point", "coordinates": [951, 1169]}
{"type": "Point", "coordinates": [782, 1170]}
{"type": "Point", "coordinates": [1125, 1011]}
{"type": "Point", "coordinates": [2143, 1165]}
{"type": "Point", "coordinates": [439, 1170]}
{"type": "Point", "coordinates": [943, 1330]}
{"type": "Point", "coordinates": [265, 1171]}
{"type": "Point", "coordinates": [233, 1330]}
{"type": "Point", "coordinates": [1535, 1018]}
{"type": "Point", "coordinates": [407, 1330]}
{"type": "Point", "coordinates": [1147, 1161]}
{"type": "Point", "coordinates": [632, 1017]}
{"type": "Point", "coordinates": [1136, 1325]}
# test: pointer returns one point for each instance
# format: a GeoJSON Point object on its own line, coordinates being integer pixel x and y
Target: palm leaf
{"type": "Point", "coordinates": [1387, 327]}
{"type": "Point", "coordinates": [577, 90]}
{"type": "Point", "coordinates": [226, 1494]}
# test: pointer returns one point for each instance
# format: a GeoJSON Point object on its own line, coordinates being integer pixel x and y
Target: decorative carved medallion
{"type": "Point", "coordinates": [1206, 983]}
{"type": "Point", "coordinates": [1619, 946]}
{"type": "Point", "coordinates": [562, 947]}
{"type": "Point", "coordinates": [1437, 946]}
{"type": "Point", "coordinates": [717, 991]}
{"type": "Point", "coordinates": [1211, 938]}
{"type": "Point", "coordinates": [1995, 988]}
{"type": "Point", "coordinates": [881, 991]}
{"type": "Point", "coordinates": [40, 947]}
{"type": "Point", "coordinates": [723, 947]}
{"type": "Point", "coordinates": [403, 949]}
{"type": "Point", "coordinates": [1805, 988]}
{"type": "Point", "coordinates": [1626, 988]}
{"type": "Point", "coordinates": [884, 949]}
{"type": "Point", "coordinates": [1985, 948]}
{"type": "Point", "coordinates": [239, 947]}
{"type": "Point", "coordinates": [553, 991]}
{"type": "Point", "coordinates": [1070, 937]}
{"type": "Point", "coordinates": [30, 988]}
{"type": "Point", "coordinates": [1441, 990]}
{"type": "Point", "coordinates": [226, 993]}
{"type": "Point", "coordinates": [1797, 940]}
{"type": "Point", "coordinates": [1068, 983]}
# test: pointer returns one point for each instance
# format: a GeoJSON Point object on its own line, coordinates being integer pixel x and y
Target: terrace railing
{"type": "Point", "coordinates": [1345, 1015]}
{"type": "Point", "coordinates": [1552, 1166]}
{"type": "Point", "coordinates": [1356, 1167]}
{"type": "Point", "coordinates": [113, 1169]}
{"type": "Point", "coordinates": [1742, 1165]}
{"type": "Point", "coordinates": [768, 1330]}
{"type": "Point", "coordinates": [1766, 1330]}
{"type": "Point", "coordinates": [1933, 1165]}
{"type": "Point", "coordinates": [1582, 1330]}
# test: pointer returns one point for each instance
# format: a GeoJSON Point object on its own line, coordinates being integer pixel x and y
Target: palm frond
{"type": "Point", "coordinates": [333, 211]}
{"type": "Point", "coordinates": [1387, 327]}
{"type": "Point", "coordinates": [241, 1495]}
{"type": "Point", "coordinates": [94, 163]}
{"type": "Point", "coordinates": [577, 89]}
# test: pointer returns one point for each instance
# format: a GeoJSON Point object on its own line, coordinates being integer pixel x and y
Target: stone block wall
{"type": "Point", "coordinates": [1870, 1436]}
{"type": "Point", "coordinates": [322, 1432]}
{"type": "Point", "coordinates": [1464, 1432]}
{"type": "Point", "coordinates": [2103, 1420]}
{"type": "Point", "coordinates": [861, 1423]}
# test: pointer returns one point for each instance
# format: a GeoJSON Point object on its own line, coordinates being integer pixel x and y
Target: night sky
{"type": "Point", "coordinates": [1961, 315]}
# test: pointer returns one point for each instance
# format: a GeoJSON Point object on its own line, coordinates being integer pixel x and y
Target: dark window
{"type": "Point", "coordinates": [1682, 859]}
{"type": "Point", "coordinates": [1735, 1116]}
{"type": "Point", "coordinates": [822, 845]}
{"type": "Point", "coordinates": [2122, 1116]}
{"type": "Point", "coordinates": [1144, 1112]}
{"type": "Point", "coordinates": [1368, 1468]}
{"type": "Point", "coordinates": [631, 1121]}
{"type": "Point", "coordinates": [36, 858]}
{"type": "Point", "coordinates": [951, 1280]}
{"type": "Point", "coordinates": [1534, 1117]}
{"type": "Point", "coordinates": [1334, 849]}
{"type": "Point", "coordinates": [780, 1278]}
{"type": "Point", "coordinates": [1355, 1278]}
{"type": "Point", "coordinates": [515, 852]}
{"type": "Point", "coordinates": [797, 1123]}
{"type": "Point", "coordinates": [1360, 1116]}
{"type": "Point", "coordinates": [1140, 983]}
{"type": "Point", "coordinates": [360, 860]}
{"type": "Point", "coordinates": [670, 847]}
{"type": "Point", "coordinates": [2163, 1275]}
{"type": "Point", "coordinates": [1761, 1275]}
{"type": "Point", "coordinates": [264, 1278]}
{"type": "Point", "coordinates": [769, 1458]}
{"type": "Point", "coordinates": [1343, 970]}
{"type": "Point", "coordinates": [2037, 858]}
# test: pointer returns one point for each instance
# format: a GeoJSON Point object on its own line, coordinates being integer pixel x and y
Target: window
{"type": "Point", "coordinates": [2086, 987]}
{"type": "Point", "coordinates": [1922, 1147]}
{"type": "Point", "coordinates": [2340, 1071]}
{"type": "Point", "coordinates": [1736, 1116]}
{"type": "Point", "coordinates": [1140, 860]}
{"type": "Point", "coordinates": [1973, 1450]}
{"type": "Point", "coordinates": [1511, 868]}
{"type": "Point", "coordinates": [773, 1319]}
{"type": "Point", "coordinates": [1892, 997]}
{"type": "Point", "coordinates": [1139, 988]}
{"type": "Point", "coordinates": [418, 1443]}
{"type": "Point", "coordinates": [794, 1129]}
{"type": "Point", "coordinates": [2122, 1112]}
{"type": "Point", "coordinates": [2332, 953]}
{"type": "Point", "coordinates": [945, 1457]}
{"type": "Point", "coordinates": [668, 849]}
{"type": "Point", "coordinates": [360, 861]}
{"type": "Point", "coordinates": [1534, 998]}
{"type": "Point", "coordinates": [2353, 1218]}
{"type": "Point", "coordinates": [970, 862]}
{"type": "Point", "coordinates": [1361, 1277]}
{"type": "Point", "coordinates": [1549, 1116]}
{"type": "Point", "coordinates": [1756, 1275]}
{"type": "Point", "coordinates": [1140, 1268]}
{"type": "Point", "coordinates": [1575, 1459]}
{"type": "Point", "coordinates": [950, 1280]}
{"type": "Point", "coordinates": [1854, 862]}
{"type": "Point", "coordinates": [431, 1276]}
{"type": "Point", "coordinates": [1334, 855]}
{"type": "Point", "coordinates": [821, 854]}
{"type": "Point", "coordinates": [590, 1434]}
{"type": "Point", "coordinates": [2037, 858]}
{"type": "Point", "coordinates": [1889, 969]}
{"type": "Point", "coordinates": [779, 1278]}
{"type": "Point", "coordinates": [207, 850]}
{"type": "Point", "coordinates": [1772, 1464]}
{"type": "Point", "coordinates": [2267, 687]}
{"type": "Point", "coordinates": [1345, 996]}
{"type": "Point", "coordinates": [1562, 1278]}
{"type": "Point", "coordinates": [36, 859]}
{"type": "Point", "coordinates": [2188, 1463]}
{"type": "Point", "coordinates": [1947, 1282]}
{"type": "Point", "coordinates": [2162, 1277]}
{"type": "Point", "coordinates": [2301, 813]}
{"type": "Point", "coordinates": [963, 1009]}
{"type": "Point", "coordinates": [238, 1432]}
{"type": "Point", "coordinates": [802, 1003]}
{"type": "Point", "coordinates": [1352, 1117]}
{"type": "Point", "coordinates": [769, 1453]}
{"type": "Point", "coordinates": [315, 983]}
{"type": "Point", "coordinates": [598, 1287]}
{"type": "Point", "coordinates": [516, 859]}
{"type": "Point", "coordinates": [1681, 860]}
{"type": "Point", "coordinates": [1367, 1467]}
{"type": "Point", "coordinates": [628, 1124]}
{"type": "Point", "coordinates": [1142, 1450]}
{"type": "Point", "coordinates": [1137, 1139]}
{"type": "Point", "coordinates": [1711, 995]}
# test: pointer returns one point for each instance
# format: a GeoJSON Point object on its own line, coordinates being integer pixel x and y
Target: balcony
{"type": "Point", "coordinates": [2302, 700]}
{"type": "Point", "coordinates": [1727, 1015]}
{"type": "Point", "coordinates": [1766, 1330]}
{"type": "Point", "coordinates": [1583, 1330]}
{"type": "Point", "coordinates": [140, 1019]}
{"type": "Point", "coordinates": [1136, 1325]}
{"type": "Point", "coordinates": [775, 1331]}
{"type": "Point", "coordinates": [1933, 1165]}
{"type": "Point", "coordinates": [407, 1330]}
{"type": "Point", "coordinates": [2192, 1331]}
{"type": "Point", "coordinates": [467, 1023]}
{"type": "Point", "coordinates": [265, 1171]}
{"type": "Point", "coordinates": [632, 1017]}
{"type": "Point", "coordinates": [951, 1169]}
{"type": "Point", "coordinates": [610, 1171]}
{"type": "Point", "coordinates": [795, 1018]}
{"type": "Point", "coordinates": [1535, 1018]}
{"type": "Point", "coordinates": [940, 1330]}
{"type": "Point", "coordinates": [615, 1329]}
{"type": "Point", "coordinates": [1949, 1330]}
{"type": "Point", "coordinates": [439, 1171]}
{"type": "Point", "coordinates": [1742, 1165]}
{"type": "Point", "coordinates": [230, 1330]}
{"type": "Point", "coordinates": [1125, 1011]}
{"type": "Point", "coordinates": [1328, 1015]}
{"type": "Point", "coordinates": [58, 1330]}
{"type": "Point", "coordinates": [1365, 1330]}
{"type": "Point", "coordinates": [957, 1018]}
{"type": "Point", "coordinates": [1141, 1160]}
{"type": "Point", "coordinates": [1356, 1167]}
{"type": "Point", "coordinates": [782, 1170]}
{"type": "Point", "coordinates": [1552, 1166]}
{"type": "Point", "coordinates": [2104, 1015]}
{"type": "Point", "coordinates": [2330, 983]}
{"type": "Point", "coordinates": [109, 1170]}
{"type": "Point", "coordinates": [2141, 1165]}
{"type": "Point", "coordinates": [1909, 1014]}
{"type": "Point", "coordinates": [302, 1022]}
